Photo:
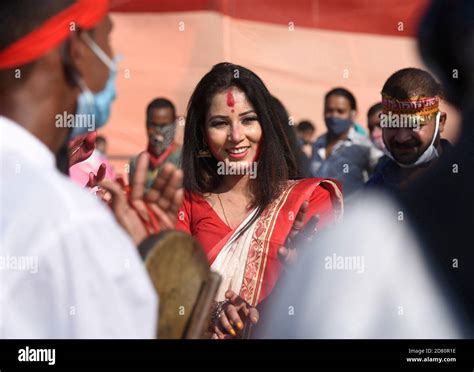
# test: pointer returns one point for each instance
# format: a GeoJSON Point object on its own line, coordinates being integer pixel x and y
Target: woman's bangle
{"type": "Point", "coordinates": [219, 308]}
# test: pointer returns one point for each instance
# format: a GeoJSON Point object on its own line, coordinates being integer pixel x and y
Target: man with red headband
{"type": "Point", "coordinates": [67, 269]}
{"type": "Point", "coordinates": [385, 282]}
{"type": "Point", "coordinates": [411, 125]}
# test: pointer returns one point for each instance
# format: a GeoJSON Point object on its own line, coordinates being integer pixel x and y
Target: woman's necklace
{"type": "Point", "coordinates": [223, 211]}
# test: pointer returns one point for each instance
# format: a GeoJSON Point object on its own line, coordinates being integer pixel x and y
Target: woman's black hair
{"type": "Point", "coordinates": [275, 165]}
{"type": "Point", "coordinates": [296, 156]}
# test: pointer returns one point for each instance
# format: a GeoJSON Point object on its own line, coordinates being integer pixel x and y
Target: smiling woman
{"type": "Point", "coordinates": [244, 219]}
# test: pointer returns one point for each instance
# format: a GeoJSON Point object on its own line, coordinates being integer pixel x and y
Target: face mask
{"type": "Point", "coordinates": [337, 126]}
{"type": "Point", "coordinates": [162, 138]}
{"type": "Point", "coordinates": [93, 110]}
{"type": "Point", "coordinates": [428, 155]}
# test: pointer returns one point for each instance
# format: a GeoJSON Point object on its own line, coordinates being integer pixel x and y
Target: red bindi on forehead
{"type": "Point", "coordinates": [230, 99]}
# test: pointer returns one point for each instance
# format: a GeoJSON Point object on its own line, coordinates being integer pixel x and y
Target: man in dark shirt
{"type": "Point", "coordinates": [411, 124]}
{"type": "Point", "coordinates": [160, 126]}
{"type": "Point", "coordinates": [342, 153]}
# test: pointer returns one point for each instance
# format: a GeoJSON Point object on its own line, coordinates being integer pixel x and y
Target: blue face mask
{"type": "Point", "coordinates": [337, 126]}
{"type": "Point", "coordinates": [93, 109]}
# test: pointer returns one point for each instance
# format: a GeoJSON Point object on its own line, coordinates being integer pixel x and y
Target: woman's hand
{"type": "Point", "coordinates": [288, 252]}
{"type": "Point", "coordinates": [231, 315]}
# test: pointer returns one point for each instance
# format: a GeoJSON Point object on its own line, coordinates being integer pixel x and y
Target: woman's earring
{"type": "Point", "coordinates": [204, 153]}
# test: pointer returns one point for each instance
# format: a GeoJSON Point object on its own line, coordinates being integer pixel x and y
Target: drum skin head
{"type": "Point", "coordinates": [179, 270]}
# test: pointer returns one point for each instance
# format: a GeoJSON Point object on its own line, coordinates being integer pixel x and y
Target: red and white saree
{"type": "Point", "coordinates": [249, 264]}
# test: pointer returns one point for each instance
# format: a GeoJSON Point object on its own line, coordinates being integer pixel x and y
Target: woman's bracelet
{"type": "Point", "coordinates": [218, 309]}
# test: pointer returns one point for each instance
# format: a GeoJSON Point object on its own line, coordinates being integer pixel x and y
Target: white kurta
{"type": "Point", "coordinates": [67, 270]}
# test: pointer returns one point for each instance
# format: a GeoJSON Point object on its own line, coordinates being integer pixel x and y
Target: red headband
{"type": "Point", "coordinates": [84, 13]}
{"type": "Point", "coordinates": [414, 106]}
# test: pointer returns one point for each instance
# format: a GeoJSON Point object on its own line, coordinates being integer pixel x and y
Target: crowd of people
{"type": "Point", "coordinates": [286, 216]}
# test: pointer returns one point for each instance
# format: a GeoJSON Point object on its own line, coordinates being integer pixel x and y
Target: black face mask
{"type": "Point", "coordinates": [337, 126]}
{"type": "Point", "coordinates": [161, 138]}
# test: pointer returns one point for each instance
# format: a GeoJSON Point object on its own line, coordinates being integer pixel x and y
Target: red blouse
{"type": "Point", "coordinates": [198, 218]}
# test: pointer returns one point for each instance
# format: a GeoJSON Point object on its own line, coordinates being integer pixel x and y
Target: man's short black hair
{"type": "Point", "coordinates": [305, 126]}
{"type": "Point", "coordinates": [18, 19]}
{"type": "Point", "coordinates": [159, 103]}
{"type": "Point", "coordinates": [100, 139]}
{"type": "Point", "coordinates": [344, 93]}
{"type": "Point", "coordinates": [374, 108]}
{"type": "Point", "coordinates": [411, 82]}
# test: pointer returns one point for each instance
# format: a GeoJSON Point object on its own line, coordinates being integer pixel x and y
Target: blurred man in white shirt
{"type": "Point", "coordinates": [88, 280]}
